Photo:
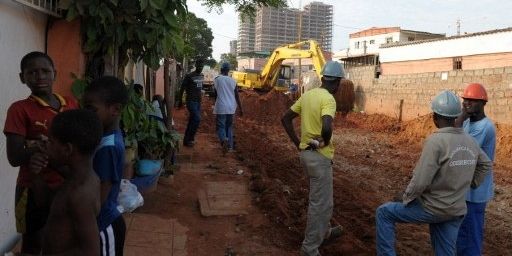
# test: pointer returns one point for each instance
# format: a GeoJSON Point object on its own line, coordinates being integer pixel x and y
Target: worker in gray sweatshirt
{"type": "Point", "coordinates": [451, 162]}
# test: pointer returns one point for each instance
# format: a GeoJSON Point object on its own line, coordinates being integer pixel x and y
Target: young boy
{"type": "Point", "coordinates": [106, 96]}
{"type": "Point", "coordinates": [26, 123]}
{"type": "Point", "coordinates": [71, 226]}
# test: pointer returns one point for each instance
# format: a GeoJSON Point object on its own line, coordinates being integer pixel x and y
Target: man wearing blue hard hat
{"type": "Point", "coordinates": [317, 108]}
{"type": "Point", "coordinates": [451, 162]}
{"type": "Point", "coordinates": [226, 102]}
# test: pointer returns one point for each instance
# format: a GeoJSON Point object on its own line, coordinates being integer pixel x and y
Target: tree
{"type": "Point", "coordinates": [229, 58]}
{"type": "Point", "coordinates": [146, 30]}
{"type": "Point", "coordinates": [197, 37]}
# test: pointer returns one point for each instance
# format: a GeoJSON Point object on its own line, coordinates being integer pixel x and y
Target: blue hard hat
{"type": "Point", "coordinates": [333, 70]}
{"type": "Point", "coordinates": [446, 104]}
{"type": "Point", "coordinates": [224, 65]}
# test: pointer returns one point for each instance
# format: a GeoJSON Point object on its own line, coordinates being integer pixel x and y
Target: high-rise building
{"type": "Point", "coordinates": [233, 46]}
{"type": "Point", "coordinates": [245, 42]}
{"type": "Point", "coordinates": [273, 27]}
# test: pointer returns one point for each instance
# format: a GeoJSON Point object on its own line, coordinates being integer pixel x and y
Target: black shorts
{"type": "Point", "coordinates": [30, 217]}
{"type": "Point", "coordinates": [112, 238]}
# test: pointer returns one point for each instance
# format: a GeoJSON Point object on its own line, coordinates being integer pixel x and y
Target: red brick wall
{"type": "Point", "coordinates": [446, 64]}
{"type": "Point", "coordinates": [65, 49]}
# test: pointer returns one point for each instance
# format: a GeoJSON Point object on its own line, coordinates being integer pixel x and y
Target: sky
{"type": "Point", "coordinates": [434, 16]}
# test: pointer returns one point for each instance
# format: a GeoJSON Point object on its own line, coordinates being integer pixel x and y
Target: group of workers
{"type": "Point", "coordinates": [451, 184]}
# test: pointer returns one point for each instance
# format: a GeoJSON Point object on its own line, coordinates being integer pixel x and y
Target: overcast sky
{"type": "Point", "coordinates": [435, 16]}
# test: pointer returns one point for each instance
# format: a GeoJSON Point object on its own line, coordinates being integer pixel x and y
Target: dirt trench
{"type": "Point", "coordinates": [374, 159]}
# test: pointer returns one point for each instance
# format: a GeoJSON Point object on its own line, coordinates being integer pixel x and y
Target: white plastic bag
{"type": "Point", "coordinates": [129, 197]}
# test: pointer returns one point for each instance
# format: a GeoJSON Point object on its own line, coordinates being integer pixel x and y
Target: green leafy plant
{"type": "Point", "coordinates": [150, 135]}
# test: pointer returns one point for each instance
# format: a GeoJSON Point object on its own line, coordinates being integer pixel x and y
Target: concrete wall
{"type": "Point", "coordinates": [460, 46]}
{"type": "Point", "coordinates": [383, 95]}
{"type": "Point", "coordinates": [22, 30]}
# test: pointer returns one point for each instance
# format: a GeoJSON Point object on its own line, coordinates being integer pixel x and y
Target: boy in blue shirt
{"type": "Point", "coordinates": [482, 129]}
{"type": "Point", "coordinates": [106, 96]}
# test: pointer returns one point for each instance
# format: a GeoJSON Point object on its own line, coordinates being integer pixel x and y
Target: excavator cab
{"type": "Point", "coordinates": [284, 77]}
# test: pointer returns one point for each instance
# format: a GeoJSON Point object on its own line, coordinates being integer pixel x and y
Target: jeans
{"type": "Point", "coordinates": [194, 109]}
{"type": "Point", "coordinates": [443, 230]}
{"type": "Point", "coordinates": [319, 170]}
{"type": "Point", "coordinates": [471, 232]}
{"type": "Point", "coordinates": [225, 128]}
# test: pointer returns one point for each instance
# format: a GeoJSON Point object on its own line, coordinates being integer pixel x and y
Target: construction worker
{"type": "Point", "coordinates": [316, 109]}
{"type": "Point", "coordinates": [451, 162]}
{"type": "Point", "coordinates": [226, 102]}
{"type": "Point", "coordinates": [193, 85]}
{"type": "Point", "coordinates": [482, 129]}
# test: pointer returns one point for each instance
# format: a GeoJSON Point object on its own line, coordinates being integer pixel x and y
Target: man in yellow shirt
{"type": "Point", "coordinates": [317, 109]}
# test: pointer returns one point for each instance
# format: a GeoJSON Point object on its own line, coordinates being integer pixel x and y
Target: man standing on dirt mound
{"type": "Point", "coordinates": [226, 101]}
{"type": "Point", "coordinates": [481, 128]}
{"type": "Point", "coordinates": [451, 162]}
{"type": "Point", "coordinates": [193, 85]}
{"type": "Point", "coordinates": [317, 108]}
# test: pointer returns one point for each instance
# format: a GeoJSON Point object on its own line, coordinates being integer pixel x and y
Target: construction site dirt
{"type": "Point", "coordinates": [374, 159]}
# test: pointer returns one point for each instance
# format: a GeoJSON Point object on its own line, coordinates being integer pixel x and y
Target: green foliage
{"type": "Point", "coordinates": [229, 58]}
{"type": "Point", "coordinates": [149, 29]}
{"type": "Point", "coordinates": [78, 86]}
{"type": "Point", "coordinates": [244, 7]}
{"type": "Point", "coordinates": [149, 133]}
{"type": "Point", "coordinates": [197, 37]}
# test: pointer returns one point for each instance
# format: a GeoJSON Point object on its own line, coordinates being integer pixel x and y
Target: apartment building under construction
{"type": "Point", "coordinates": [273, 27]}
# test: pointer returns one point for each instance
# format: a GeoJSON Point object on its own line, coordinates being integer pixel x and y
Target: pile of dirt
{"type": "Point", "coordinates": [265, 108]}
{"type": "Point", "coordinates": [372, 122]}
{"type": "Point", "coordinates": [416, 130]}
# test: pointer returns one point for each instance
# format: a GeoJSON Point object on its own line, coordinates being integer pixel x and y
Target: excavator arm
{"type": "Point", "coordinates": [292, 51]}
{"type": "Point", "coordinates": [267, 78]}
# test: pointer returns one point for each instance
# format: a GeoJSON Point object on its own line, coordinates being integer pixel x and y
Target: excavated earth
{"type": "Point", "coordinates": [374, 159]}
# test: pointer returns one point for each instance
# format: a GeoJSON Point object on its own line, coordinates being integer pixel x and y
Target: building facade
{"type": "Point", "coordinates": [246, 34]}
{"type": "Point", "coordinates": [273, 27]}
{"type": "Point", "coordinates": [482, 50]}
{"type": "Point", "coordinates": [365, 45]}
{"type": "Point", "coordinates": [233, 46]}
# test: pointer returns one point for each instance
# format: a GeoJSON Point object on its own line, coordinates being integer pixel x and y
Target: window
{"type": "Point", "coordinates": [389, 40]}
{"type": "Point", "coordinates": [372, 41]}
{"type": "Point", "coordinates": [356, 45]}
{"type": "Point", "coordinates": [457, 63]}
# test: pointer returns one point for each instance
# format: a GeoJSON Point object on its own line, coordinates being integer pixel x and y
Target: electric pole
{"type": "Point", "coordinates": [458, 26]}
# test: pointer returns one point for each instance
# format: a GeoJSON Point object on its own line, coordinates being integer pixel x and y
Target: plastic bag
{"type": "Point", "coordinates": [129, 197]}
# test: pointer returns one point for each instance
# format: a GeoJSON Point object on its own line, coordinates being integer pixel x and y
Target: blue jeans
{"type": "Point", "coordinates": [194, 117]}
{"type": "Point", "coordinates": [225, 128]}
{"type": "Point", "coordinates": [471, 232]}
{"type": "Point", "coordinates": [443, 230]}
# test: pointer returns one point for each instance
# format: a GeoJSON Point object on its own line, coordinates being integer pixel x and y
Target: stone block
{"type": "Point", "coordinates": [488, 71]}
{"type": "Point", "coordinates": [508, 70]}
{"type": "Point", "coordinates": [499, 70]}
{"type": "Point", "coordinates": [479, 72]}
{"type": "Point", "coordinates": [469, 72]}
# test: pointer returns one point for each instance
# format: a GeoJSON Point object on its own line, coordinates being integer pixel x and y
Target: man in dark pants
{"type": "Point", "coordinates": [193, 85]}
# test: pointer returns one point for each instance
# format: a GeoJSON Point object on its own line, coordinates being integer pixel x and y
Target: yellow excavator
{"type": "Point", "coordinates": [277, 76]}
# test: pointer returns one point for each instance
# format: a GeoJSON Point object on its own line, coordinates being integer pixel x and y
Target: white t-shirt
{"type": "Point", "coordinates": [226, 102]}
